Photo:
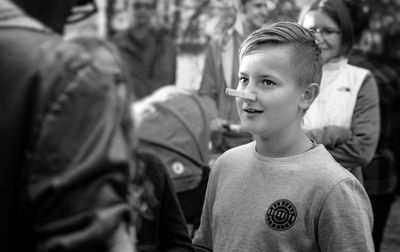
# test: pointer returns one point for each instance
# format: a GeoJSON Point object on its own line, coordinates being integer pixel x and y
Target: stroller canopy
{"type": "Point", "coordinates": [173, 123]}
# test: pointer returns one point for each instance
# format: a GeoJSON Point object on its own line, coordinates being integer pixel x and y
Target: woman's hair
{"type": "Point", "coordinates": [360, 13]}
{"type": "Point", "coordinates": [306, 54]}
{"type": "Point", "coordinates": [340, 14]}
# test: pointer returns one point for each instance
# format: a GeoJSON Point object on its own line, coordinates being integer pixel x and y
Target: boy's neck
{"type": "Point", "coordinates": [278, 147]}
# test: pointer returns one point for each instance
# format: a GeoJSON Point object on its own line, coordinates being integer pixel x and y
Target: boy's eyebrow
{"type": "Point", "coordinates": [262, 76]}
{"type": "Point", "coordinates": [266, 76]}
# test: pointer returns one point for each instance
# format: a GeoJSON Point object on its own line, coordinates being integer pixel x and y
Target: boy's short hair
{"type": "Point", "coordinates": [339, 12]}
{"type": "Point", "coordinates": [307, 60]}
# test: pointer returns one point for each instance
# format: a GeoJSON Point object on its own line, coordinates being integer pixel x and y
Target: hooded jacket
{"type": "Point", "coordinates": [63, 148]}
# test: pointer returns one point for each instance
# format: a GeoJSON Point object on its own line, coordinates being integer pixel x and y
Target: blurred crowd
{"type": "Point", "coordinates": [103, 151]}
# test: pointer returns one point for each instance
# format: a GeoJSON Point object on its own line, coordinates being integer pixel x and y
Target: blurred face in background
{"type": "Point", "coordinates": [328, 33]}
{"type": "Point", "coordinates": [142, 12]}
{"type": "Point", "coordinates": [255, 12]}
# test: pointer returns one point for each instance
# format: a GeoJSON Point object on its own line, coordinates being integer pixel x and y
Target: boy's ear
{"type": "Point", "coordinates": [310, 93]}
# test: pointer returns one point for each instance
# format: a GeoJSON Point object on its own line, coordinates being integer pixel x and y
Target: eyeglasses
{"type": "Point", "coordinates": [325, 32]}
{"type": "Point", "coordinates": [80, 13]}
{"type": "Point", "coordinates": [148, 6]}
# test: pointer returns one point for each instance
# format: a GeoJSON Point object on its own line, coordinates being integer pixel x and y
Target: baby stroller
{"type": "Point", "coordinates": [172, 124]}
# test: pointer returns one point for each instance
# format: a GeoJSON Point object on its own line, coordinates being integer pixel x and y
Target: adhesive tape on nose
{"type": "Point", "coordinates": [241, 94]}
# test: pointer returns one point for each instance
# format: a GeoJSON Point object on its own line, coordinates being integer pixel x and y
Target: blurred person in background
{"type": "Point", "coordinates": [147, 48]}
{"type": "Point", "coordinates": [221, 71]}
{"type": "Point", "coordinates": [380, 177]}
{"type": "Point", "coordinates": [345, 116]}
{"type": "Point", "coordinates": [65, 144]}
{"type": "Point", "coordinates": [159, 222]}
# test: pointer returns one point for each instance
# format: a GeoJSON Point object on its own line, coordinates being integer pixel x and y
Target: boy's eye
{"type": "Point", "coordinates": [243, 80]}
{"type": "Point", "coordinates": [268, 82]}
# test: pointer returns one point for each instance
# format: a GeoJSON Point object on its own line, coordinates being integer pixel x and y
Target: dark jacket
{"type": "Point", "coordinates": [162, 226]}
{"type": "Point", "coordinates": [63, 155]}
{"type": "Point", "coordinates": [380, 174]}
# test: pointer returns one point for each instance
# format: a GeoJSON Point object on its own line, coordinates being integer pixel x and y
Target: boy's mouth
{"type": "Point", "coordinates": [252, 110]}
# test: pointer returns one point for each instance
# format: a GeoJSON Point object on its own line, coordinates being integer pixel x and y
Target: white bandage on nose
{"type": "Point", "coordinates": [241, 94]}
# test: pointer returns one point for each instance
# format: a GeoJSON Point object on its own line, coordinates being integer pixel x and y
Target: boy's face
{"type": "Point", "coordinates": [267, 72]}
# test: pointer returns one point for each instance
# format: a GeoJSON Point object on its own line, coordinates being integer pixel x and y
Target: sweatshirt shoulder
{"type": "Point", "coordinates": [325, 167]}
{"type": "Point", "coordinates": [233, 157]}
{"type": "Point", "coordinates": [242, 151]}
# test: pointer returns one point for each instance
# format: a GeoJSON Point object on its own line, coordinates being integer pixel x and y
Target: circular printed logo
{"type": "Point", "coordinates": [281, 215]}
{"type": "Point", "coordinates": [178, 167]}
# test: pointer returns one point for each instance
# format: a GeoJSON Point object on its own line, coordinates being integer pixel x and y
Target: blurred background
{"type": "Point", "coordinates": [194, 23]}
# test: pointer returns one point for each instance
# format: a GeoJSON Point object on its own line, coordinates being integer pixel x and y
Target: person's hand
{"type": "Point", "coordinates": [236, 128]}
{"type": "Point", "coordinates": [221, 125]}
{"type": "Point", "coordinates": [218, 125]}
{"type": "Point", "coordinates": [330, 136]}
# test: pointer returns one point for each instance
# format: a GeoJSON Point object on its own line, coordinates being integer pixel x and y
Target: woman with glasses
{"type": "Point", "coordinates": [345, 116]}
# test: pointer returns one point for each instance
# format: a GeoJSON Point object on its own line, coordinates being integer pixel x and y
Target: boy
{"type": "Point", "coordinates": [281, 192]}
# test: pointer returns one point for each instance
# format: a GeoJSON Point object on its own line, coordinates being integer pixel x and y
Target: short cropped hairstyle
{"type": "Point", "coordinates": [306, 54]}
{"type": "Point", "coordinates": [340, 14]}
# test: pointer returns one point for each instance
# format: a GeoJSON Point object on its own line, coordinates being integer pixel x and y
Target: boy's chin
{"type": "Point", "coordinates": [249, 128]}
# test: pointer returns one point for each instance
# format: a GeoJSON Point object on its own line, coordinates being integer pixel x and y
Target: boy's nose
{"type": "Point", "coordinates": [320, 37]}
{"type": "Point", "coordinates": [250, 99]}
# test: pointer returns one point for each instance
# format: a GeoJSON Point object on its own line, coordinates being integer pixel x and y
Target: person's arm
{"type": "Point", "coordinates": [78, 163]}
{"type": "Point", "coordinates": [208, 89]}
{"type": "Point", "coordinates": [172, 48]}
{"type": "Point", "coordinates": [345, 220]}
{"type": "Point", "coordinates": [163, 70]}
{"type": "Point", "coordinates": [360, 148]}
{"type": "Point", "coordinates": [329, 136]}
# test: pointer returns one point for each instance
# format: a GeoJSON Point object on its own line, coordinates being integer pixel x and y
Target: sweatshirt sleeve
{"type": "Point", "coordinates": [345, 221]}
{"type": "Point", "coordinates": [360, 148]}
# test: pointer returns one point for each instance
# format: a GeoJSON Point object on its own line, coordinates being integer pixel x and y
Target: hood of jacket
{"type": "Point", "coordinates": [12, 16]}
